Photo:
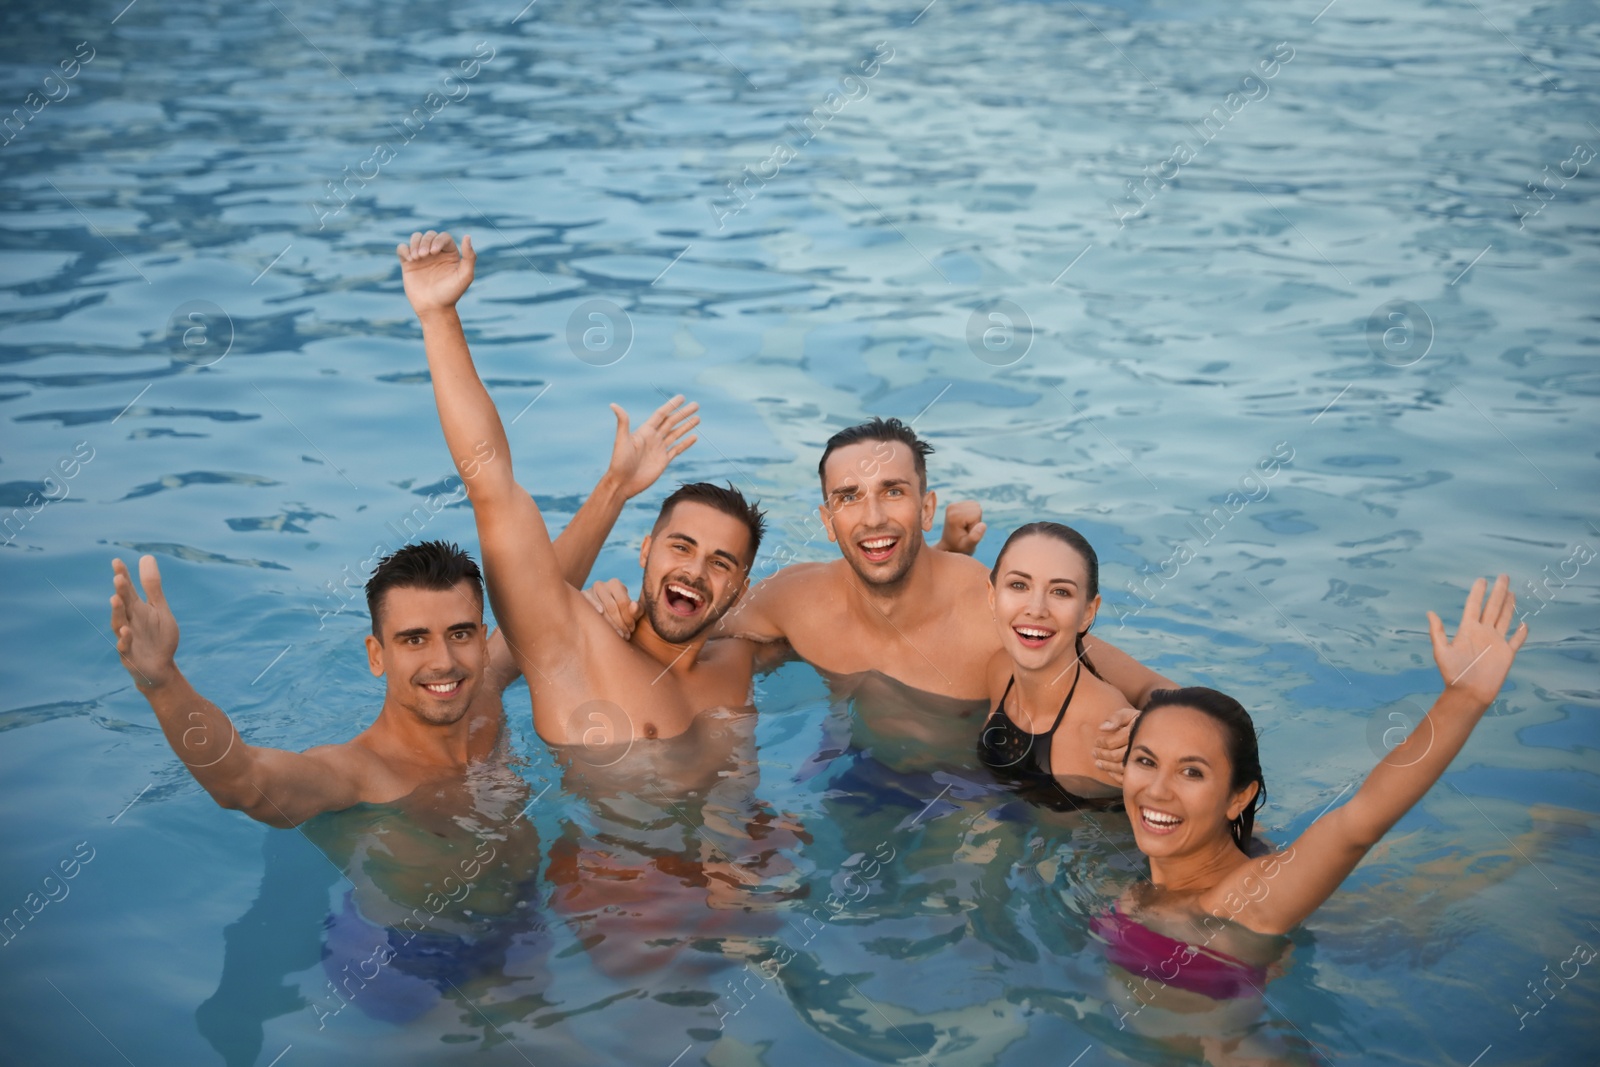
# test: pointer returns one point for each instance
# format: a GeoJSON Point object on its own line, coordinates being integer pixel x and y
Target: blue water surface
{"type": "Point", "coordinates": [1108, 256]}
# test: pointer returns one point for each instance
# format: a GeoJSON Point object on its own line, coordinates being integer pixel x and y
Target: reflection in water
{"type": "Point", "coordinates": [672, 847]}
{"type": "Point", "coordinates": [438, 895]}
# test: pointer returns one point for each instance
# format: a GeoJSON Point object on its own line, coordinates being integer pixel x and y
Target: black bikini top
{"type": "Point", "coordinates": [1013, 752]}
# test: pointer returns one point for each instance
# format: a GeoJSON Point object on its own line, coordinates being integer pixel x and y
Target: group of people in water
{"type": "Point", "coordinates": [1076, 723]}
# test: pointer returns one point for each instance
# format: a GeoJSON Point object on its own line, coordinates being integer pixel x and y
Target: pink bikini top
{"type": "Point", "coordinates": [1140, 950]}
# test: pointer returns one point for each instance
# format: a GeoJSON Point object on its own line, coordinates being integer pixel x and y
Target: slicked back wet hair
{"type": "Point", "coordinates": [725, 499]}
{"type": "Point", "coordinates": [1239, 739]}
{"type": "Point", "coordinates": [438, 565]}
{"type": "Point", "coordinates": [879, 429]}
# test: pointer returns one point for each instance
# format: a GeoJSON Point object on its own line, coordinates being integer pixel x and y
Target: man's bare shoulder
{"type": "Point", "coordinates": [956, 567]}
{"type": "Point", "coordinates": [796, 577]}
{"type": "Point", "coordinates": [779, 603]}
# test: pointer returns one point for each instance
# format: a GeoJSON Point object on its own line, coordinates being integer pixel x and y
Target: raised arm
{"type": "Point", "coordinates": [963, 527]}
{"type": "Point", "coordinates": [270, 785]}
{"type": "Point", "coordinates": [521, 569]}
{"type": "Point", "coordinates": [1133, 679]}
{"type": "Point", "coordinates": [638, 457]}
{"type": "Point", "coordinates": [1474, 665]}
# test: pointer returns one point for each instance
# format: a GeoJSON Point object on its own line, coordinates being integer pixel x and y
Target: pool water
{"type": "Point", "coordinates": [1257, 296]}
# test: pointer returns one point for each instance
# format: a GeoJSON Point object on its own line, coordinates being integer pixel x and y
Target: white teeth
{"type": "Point", "coordinates": [1160, 818]}
{"type": "Point", "coordinates": [685, 591]}
{"type": "Point", "coordinates": [441, 687]}
{"type": "Point", "coordinates": [877, 543]}
{"type": "Point", "coordinates": [1029, 632]}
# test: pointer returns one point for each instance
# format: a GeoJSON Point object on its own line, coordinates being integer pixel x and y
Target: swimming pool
{"type": "Point", "coordinates": [1345, 265]}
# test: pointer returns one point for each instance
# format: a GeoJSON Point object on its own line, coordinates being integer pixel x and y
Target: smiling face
{"type": "Point", "coordinates": [875, 510]}
{"type": "Point", "coordinates": [1040, 603]}
{"type": "Point", "coordinates": [1176, 783]}
{"type": "Point", "coordinates": [433, 652]}
{"type": "Point", "coordinates": [696, 565]}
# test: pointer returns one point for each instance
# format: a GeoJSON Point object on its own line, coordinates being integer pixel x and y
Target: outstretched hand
{"type": "Point", "coordinates": [434, 272]}
{"type": "Point", "coordinates": [639, 457]}
{"type": "Point", "coordinates": [1475, 662]}
{"type": "Point", "coordinates": [147, 632]}
{"type": "Point", "coordinates": [963, 527]}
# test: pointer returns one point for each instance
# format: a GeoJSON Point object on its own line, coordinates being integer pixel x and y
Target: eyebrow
{"type": "Point", "coordinates": [1053, 581]}
{"type": "Point", "coordinates": [1183, 759]}
{"type": "Point", "coordinates": [724, 553]}
{"type": "Point", "coordinates": [423, 631]}
{"type": "Point", "coordinates": [853, 487]}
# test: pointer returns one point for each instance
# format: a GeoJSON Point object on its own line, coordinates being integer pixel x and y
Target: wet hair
{"type": "Point", "coordinates": [1073, 540]}
{"type": "Point", "coordinates": [725, 499]}
{"type": "Point", "coordinates": [436, 565]}
{"type": "Point", "coordinates": [1239, 739]}
{"type": "Point", "coordinates": [879, 429]}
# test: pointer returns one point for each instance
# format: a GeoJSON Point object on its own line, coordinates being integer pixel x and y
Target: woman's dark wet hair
{"type": "Point", "coordinates": [1239, 738]}
{"type": "Point", "coordinates": [425, 565]}
{"type": "Point", "coordinates": [1073, 540]}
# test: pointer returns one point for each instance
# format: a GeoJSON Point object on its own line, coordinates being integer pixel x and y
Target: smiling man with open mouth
{"type": "Point", "coordinates": [589, 685]}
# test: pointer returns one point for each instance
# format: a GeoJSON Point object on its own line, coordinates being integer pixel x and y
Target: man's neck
{"type": "Point", "coordinates": [678, 657]}
{"type": "Point", "coordinates": [893, 605]}
{"type": "Point", "coordinates": [445, 746]}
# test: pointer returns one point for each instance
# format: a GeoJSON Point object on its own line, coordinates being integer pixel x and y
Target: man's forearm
{"type": "Point", "coordinates": [580, 543]}
{"type": "Point", "coordinates": [204, 738]}
{"type": "Point", "coordinates": [471, 423]}
{"type": "Point", "coordinates": [1133, 680]}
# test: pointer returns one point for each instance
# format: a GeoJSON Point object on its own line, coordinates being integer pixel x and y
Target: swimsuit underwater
{"type": "Point", "coordinates": [1140, 950]}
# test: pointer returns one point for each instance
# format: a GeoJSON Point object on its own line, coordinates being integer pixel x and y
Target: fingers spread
{"type": "Point", "coordinates": [1472, 612]}
{"type": "Point", "coordinates": [150, 578]}
{"type": "Point", "coordinates": [681, 429]}
{"type": "Point", "coordinates": [1497, 599]}
{"type": "Point", "coordinates": [1436, 635]}
{"type": "Point", "coordinates": [1519, 637]}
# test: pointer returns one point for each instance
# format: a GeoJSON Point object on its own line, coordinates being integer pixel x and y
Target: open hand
{"type": "Point", "coordinates": [639, 457]}
{"type": "Point", "coordinates": [146, 632]}
{"type": "Point", "coordinates": [610, 598]}
{"type": "Point", "coordinates": [1111, 743]}
{"type": "Point", "coordinates": [434, 272]}
{"type": "Point", "coordinates": [963, 527]}
{"type": "Point", "coordinates": [1475, 662]}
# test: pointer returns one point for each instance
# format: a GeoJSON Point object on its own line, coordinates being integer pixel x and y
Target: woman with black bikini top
{"type": "Point", "coordinates": [1044, 592]}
